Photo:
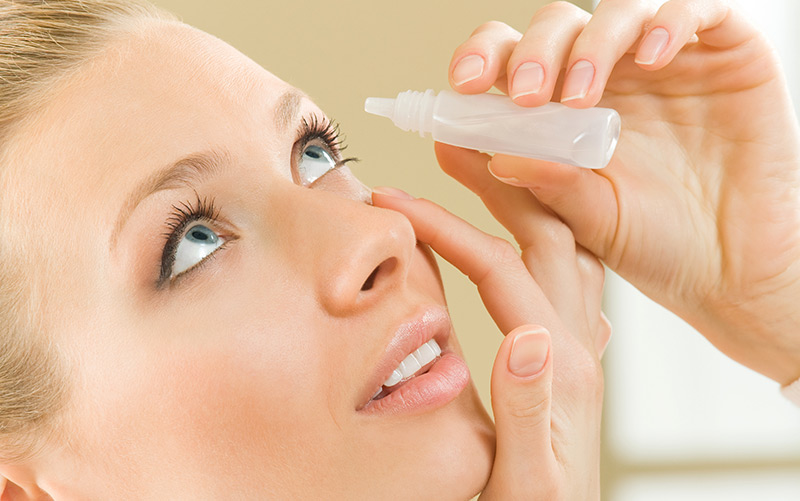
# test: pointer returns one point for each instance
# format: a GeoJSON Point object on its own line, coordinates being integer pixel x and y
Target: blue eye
{"type": "Point", "coordinates": [197, 243]}
{"type": "Point", "coordinates": [315, 162]}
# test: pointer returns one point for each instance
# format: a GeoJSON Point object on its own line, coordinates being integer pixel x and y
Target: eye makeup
{"type": "Point", "coordinates": [315, 153]}
{"type": "Point", "coordinates": [318, 150]}
{"type": "Point", "coordinates": [182, 216]}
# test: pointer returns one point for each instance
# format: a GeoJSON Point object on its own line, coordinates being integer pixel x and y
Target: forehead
{"type": "Point", "coordinates": [152, 97]}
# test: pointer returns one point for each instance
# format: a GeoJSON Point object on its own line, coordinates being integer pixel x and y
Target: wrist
{"type": "Point", "coordinates": [760, 330]}
{"type": "Point", "coordinates": [792, 392]}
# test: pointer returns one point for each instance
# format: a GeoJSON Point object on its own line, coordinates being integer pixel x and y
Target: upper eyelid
{"type": "Point", "coordinates": [228, 238]}
{"type": "Point", "coordinates": [181, 218]}
{"type": "Point", "coordinates": [312, 126]}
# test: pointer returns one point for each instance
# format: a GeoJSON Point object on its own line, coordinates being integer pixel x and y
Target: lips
{"type": "Point", "coordinates": [430, 386]}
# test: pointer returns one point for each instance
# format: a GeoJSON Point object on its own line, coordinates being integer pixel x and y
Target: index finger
{"type": "Point", "coordinates": [480, 62]}
{"type": "Point", "coordinates": [510, 294]}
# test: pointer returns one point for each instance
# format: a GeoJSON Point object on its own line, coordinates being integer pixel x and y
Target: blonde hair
{"type": "Point", "coordinates": [41, 43]}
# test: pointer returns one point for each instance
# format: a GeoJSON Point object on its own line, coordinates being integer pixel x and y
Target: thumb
{"type": "Point", "coordinates": [585, 200]}
{"type": "Point", "coordinates": [524, 465]}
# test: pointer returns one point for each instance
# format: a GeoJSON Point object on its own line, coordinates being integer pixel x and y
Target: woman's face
{"type": "Point", "coordinates": [226, 317]}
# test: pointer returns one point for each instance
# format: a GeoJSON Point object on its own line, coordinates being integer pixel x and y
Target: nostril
{"type": "Point", "coordinates": [370, 280]}
{"type": "Point", "coordinates": [383, 268]}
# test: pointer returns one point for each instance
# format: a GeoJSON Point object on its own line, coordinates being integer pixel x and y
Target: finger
{"type": "Point", "coordinates": [584, 199]}
{"type": "Point", "coordinates": [513, 207]}
{"type": "Point", "coordinates": [603, 336]}
{"type": "Point", "coordinates": [538, 58]}
{"type": "Point", "coordinates": [614, 28]}
{"type": "Point", "coordinates": [480, 62]}
{"type": "Point", "coordinates": [548, 247]}
{"type": "Point", "coordinates": [592, 276]}
{"type": "Point", "coordinates": [521, 388]}
{"type": "Point", "coordinates": [510, 294]}
{"type": "Point", "coordinates": [715, 22]}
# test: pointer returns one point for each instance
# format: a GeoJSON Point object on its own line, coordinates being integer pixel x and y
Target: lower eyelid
{"type": "Point", "coordinates": [189, 274]}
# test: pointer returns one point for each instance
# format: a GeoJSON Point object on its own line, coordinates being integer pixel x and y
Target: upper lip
{"type": "Point", "coordinates": [431, 323]}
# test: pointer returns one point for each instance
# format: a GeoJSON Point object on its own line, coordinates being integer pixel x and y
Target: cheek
{"type": "Point", "coordinates": [251, 393]}
{"type": "Point", "coordinates": [232, 388]}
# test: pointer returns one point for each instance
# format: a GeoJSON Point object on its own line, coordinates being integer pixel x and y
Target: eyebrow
{"type": "Point", "coordinates": [287, 108]}
{"type": "Point", "coordinates": [193, 169]}
{"type": "Point", "coordinates": [188, 172]}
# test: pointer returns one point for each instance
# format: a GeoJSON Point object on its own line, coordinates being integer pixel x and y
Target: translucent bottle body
{"type": "Point", "coordinates": [493, 123]}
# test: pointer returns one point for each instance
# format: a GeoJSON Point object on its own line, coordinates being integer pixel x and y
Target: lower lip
{"type": "Point", "coordinates": [443, 382]}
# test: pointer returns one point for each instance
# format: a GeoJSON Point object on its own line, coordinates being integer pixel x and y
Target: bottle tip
{"type": "Point", "coordinates": [381, 106]}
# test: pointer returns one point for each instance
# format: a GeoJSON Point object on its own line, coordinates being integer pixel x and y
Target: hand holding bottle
{"type": "Point", "coordinates": [699, 207]}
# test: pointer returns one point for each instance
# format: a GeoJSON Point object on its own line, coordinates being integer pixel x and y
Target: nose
{"type": "Point", "coordinates": [355, 254]}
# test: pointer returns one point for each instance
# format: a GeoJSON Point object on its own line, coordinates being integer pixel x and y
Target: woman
{"type": "Point", "coordinates": [200, 301]}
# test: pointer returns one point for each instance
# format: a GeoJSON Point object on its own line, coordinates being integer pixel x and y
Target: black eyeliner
{"type": "Point", "coordinates": [182, 216]}
{"type": "Point", "coordinates": [327, 131]}
{"type": "Point", "coordinates": [313, 128]}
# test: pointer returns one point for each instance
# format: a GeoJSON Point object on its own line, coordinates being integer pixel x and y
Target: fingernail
{"type": "Point", "coordinates": [468, 69]}
{"type": "Point", "coordinates": [652, 46]}
{"type": "Point", "coordinates": [529, 353]}
{"type": "Point", "coordinates": [578, 81]}
{"type": "Point", "coordinates": [528, 79]}
{"type": "Point", "coordinates": [392, 192]}
{"type": "Point", "coordinates": [513, 181]}
{"type": "Point", "coordinates": [601, 342]}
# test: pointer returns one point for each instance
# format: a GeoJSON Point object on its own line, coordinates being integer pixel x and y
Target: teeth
{"type": "Point", "coordinates": [422, 356]}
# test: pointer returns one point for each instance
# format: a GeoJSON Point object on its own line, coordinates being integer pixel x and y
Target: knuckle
{"type": "Point", "coordinates": [502, 252]}
{"type": "Point", "coordinates": [527, 413]}
{"type": "Point", "coordinates": [588, 379]}
{"type": "Point", "coordinates": [560, 8]}
{"type": "Point", "coordinates": [491, 26]}
{"type": "Point", "coordinates": [590, 266]}
{"type": "Point", "coordinates": [553, 237]}
{"type": "Point", "coordinates": [584, 377]}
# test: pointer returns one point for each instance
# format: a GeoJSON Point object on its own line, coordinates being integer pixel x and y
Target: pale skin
{"type": "Point", "coordinates": [242, 377]}
{"type": "Point", "coordinates": [698, 207]}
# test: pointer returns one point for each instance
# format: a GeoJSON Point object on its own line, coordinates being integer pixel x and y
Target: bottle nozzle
{"type": "Point", "coordinates": [381, 106]}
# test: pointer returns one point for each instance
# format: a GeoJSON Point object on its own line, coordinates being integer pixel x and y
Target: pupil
{"type": "Point", "coordinates": [313, 154]}
{"type": "Point", "coordinates": [199, 235]}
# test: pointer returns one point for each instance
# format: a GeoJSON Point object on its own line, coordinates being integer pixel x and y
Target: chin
{"type": "Point", "coordinates": [459, 466]}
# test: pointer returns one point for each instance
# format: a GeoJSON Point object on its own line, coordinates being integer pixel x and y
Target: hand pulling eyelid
{"type": "Point", "coordinates": [493, 123]}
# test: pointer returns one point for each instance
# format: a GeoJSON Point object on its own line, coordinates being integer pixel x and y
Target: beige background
{"type": "Point", "coordinates": [342, 52]}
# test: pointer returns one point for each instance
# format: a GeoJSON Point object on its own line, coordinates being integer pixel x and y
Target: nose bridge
{"type": "Point", "coordinates": [356, 252]}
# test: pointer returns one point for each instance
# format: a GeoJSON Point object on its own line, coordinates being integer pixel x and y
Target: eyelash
{"type": "Point", "coordinates": [328, 132]}
{"type": "Point", "coordinates": [203, 209]}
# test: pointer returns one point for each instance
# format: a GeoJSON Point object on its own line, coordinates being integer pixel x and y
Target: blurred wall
{"type": "Point", "coordinates": [342, 52]}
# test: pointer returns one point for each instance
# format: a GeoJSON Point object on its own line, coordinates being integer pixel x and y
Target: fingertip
{"type": "Point", "coordinates": [469, 74]}
{"type": "Point", "coordinates": [454, 160]}
{"type": "Point", "coordinates": [468, 68]}
{"type": "Point", "coordinates": [578, 83]}
{"type": "Point", "coordinates": [529, 352]}
{"type": "Point", "coordinates": [530, 173]}
{"type": "Point", "coordinates": [386, 196]}
{"type": "Point", "coordinates": [528, 84]}
{"type": "Point", "coordinates": [652, 48]}
{"type": "Point", "coordinates": [510, 180]}
{"type": "Point", "coordinates": [604, 335]}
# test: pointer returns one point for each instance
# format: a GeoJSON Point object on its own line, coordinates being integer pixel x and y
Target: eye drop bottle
{"type": "Point", "coordinates": [493, 123]}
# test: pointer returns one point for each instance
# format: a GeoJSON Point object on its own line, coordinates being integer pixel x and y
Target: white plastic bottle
{"type": "Point", "coordinates": [493, 123]}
